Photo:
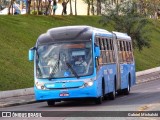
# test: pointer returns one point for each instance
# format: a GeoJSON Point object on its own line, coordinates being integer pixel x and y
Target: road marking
{"type": "Point", "coordinates": [149, 107]}
{"type": "Point", "coordinates": [143, 108]}
{"type": "Point", "coordinates": [144, 118]}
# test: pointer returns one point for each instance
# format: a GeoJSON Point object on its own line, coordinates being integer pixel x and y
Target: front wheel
{"type": "Point", "coordinates": [51, 103]}
{"type": "Point", "coordinates": [98, 100]}
{"type": "Point", "coordinates": [126, 91]}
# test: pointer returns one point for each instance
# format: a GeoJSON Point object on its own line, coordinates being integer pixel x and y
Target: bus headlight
{"type": "Point", "coordinates": [88, 83]}
{"type": "Point", "coordinates": [40, 86]}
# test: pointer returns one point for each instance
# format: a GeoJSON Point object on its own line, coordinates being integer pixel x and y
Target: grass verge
{"type": "Point", "coordinates": [19, 33]}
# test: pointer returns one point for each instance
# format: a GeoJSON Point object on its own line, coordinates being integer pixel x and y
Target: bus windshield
{"type": "Point", "coordinates": [63, 60]}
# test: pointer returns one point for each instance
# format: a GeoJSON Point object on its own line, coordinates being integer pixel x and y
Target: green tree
{"type": "Point", "coordinates": [92, 8]}
{"type": "Point", "coordinates": [125, 18]}
{"type": "Point", "coordinates": [70, 2]}
{"type": "Point", "coordinates": [152, 7]}
{"type": "Point", "coordinates": [99, 7]}
{"type": "Point", "coordinates": [88, 8]}
{"type": "Point", "coordinates": [47, 8]}
{"type": "Point", "coordinates": [89, 3]}
{"type": "Point", "coordinates": [10, 9]}
{"type": "Point", "coordinates": [29, 6]}
{"type": "Point", "coordinates": [75, 7]}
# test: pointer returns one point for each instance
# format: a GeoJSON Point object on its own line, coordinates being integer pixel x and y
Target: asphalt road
{"type": "Point", "coordinates": [143, 97]}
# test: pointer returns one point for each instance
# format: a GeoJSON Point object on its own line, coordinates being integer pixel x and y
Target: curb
{"type": "Point", "coordinates": [140, 73]}
{"type": "Point", "coordinates": [147, 80]}
{"type": "Point", "coordinates": [15, 93]}
{"type": "Point", "coordinates": [8, 104]}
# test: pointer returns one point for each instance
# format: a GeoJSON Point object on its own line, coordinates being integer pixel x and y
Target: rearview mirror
{"type": "Point", "coordinates": [97, 51]}
{"type": "Point", "coordinates": [31, 54]}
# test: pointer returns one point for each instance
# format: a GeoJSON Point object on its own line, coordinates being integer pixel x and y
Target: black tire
{"type": "Point", "coordinates": [112, 95]}
{"type": "Point", "coordinates": [105, 97]}
{"type": "Point", "coordinates": [98, 100]}
{"type": "Point", "coordinates": [126, 91]}
{"type": "Point", "coordinates": [103, 91]}
{"type": "Point", "coordinates": [51, 103]}
{"type": "Point", "coordinates": [120, 92]}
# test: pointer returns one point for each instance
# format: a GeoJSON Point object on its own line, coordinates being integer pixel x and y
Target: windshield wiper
{"type": "Point", "coordinates": [53, 71]}
{"type": "Point", "coordinates": [54, 68]}
{"type": "Point", "coordinates": [73, 71]}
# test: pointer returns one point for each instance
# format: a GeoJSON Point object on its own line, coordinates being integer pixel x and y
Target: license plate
{"type": "Point", "coordinates": [63, 94]}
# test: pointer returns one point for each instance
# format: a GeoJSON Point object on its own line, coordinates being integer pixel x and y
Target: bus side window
{"type": "Point", "coordinates": [103, 51]}
{"type": "Point", "coordinates": [111, 50]}
{"type": "Point", "coordinates": [127, 52]}
{"type": "Point", "coordinates": [124, 51]}
{"type": "Point", "coordinates": [107, 51]}
{"type": "Point", "coordinates": [99, 60]}
{"type": "Point", "coordinates": [120, 51]}
{"type": "Point", "coordinates": [114, 59]}
{"type": "Point", "coordinates": [130, 52]}
{"type": "Point", "coordinates": [97, 41]}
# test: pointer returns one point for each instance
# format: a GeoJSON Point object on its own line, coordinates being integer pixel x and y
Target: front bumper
{"type": "Point", "coordinates": [74, 93]}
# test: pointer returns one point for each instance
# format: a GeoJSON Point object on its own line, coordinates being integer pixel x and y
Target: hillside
{"type": "Point", "coordinates": [19, 33]}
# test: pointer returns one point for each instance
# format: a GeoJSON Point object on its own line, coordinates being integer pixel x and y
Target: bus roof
{"type": "Point", "coordinates": [75, 33]}
{"type": "Point", "coordinates": [120, 35]}
{"type": "Point", "coordinates": [62, 34]}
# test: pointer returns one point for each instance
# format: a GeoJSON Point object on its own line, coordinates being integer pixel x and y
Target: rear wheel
{"type": "Point", "coordinates": [126, 91]}
{"type": "Point", "coordinates": [112, 95]}
{"type": "Point", "coordinates": [51, 103]}
{"type": "Point", "coordinates": [103, 91]}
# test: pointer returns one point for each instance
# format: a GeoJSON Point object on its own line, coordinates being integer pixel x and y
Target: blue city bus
{"type": "Point", "coordinates": [106, 67]}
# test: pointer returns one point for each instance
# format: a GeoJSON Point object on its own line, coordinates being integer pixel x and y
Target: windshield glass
{"type": "Point", "coordinates": [64, 60]}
